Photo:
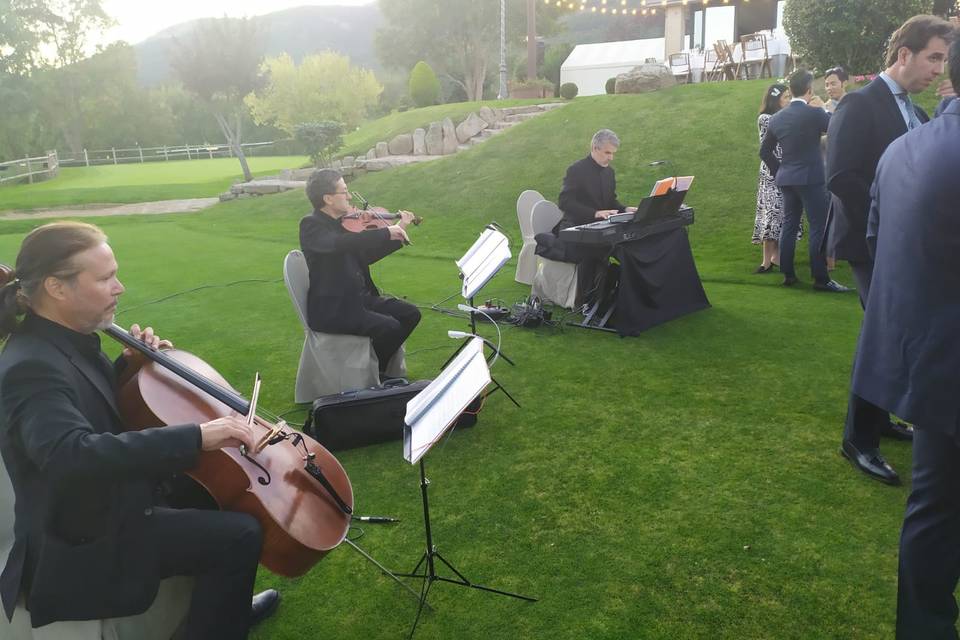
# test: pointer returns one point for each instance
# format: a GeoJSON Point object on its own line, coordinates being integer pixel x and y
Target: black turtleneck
{"type": "Point", "coordinates": [587, 188]}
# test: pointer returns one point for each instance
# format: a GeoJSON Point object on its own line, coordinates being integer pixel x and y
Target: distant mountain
{"type": "Point", "coordinates": [297, 32]}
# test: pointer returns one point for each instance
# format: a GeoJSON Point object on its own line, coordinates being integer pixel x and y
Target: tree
{"type": "Point", "coordinates": [324, 86]}
{"type": "Point", "coordinates": [424, 86]}
{"type": "Point", "coordinates": [221, 64]}
{"type": "Point", "coordinates": [459, 39]}
{"type": "Point", "coordinates": [320, 139]}
{"type": "Point", "coordinates": [850, 33]}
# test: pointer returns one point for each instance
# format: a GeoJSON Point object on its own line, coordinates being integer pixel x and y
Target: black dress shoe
{"type": "Point", "coordinates": [789, 281]}
{"type": "Point", "coordinates": [831, 286]}
{"type": "Point", "coordinates": [763, 269]}
{"type": "Point", "coordinates": [264, 604]}
{"type": "Point", "coordinates": [897, 431]}
{"type": "Point", "coordinates": [869, 462]}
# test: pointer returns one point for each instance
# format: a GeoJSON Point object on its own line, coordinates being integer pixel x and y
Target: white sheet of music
{"type": "Point", "coordinates": [482, 260]}
{"type": "Point", "coordinates": [431, 412]}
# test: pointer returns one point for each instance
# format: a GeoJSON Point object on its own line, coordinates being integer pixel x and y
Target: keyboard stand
{"type": "Point", "coordinates": [599, 313]}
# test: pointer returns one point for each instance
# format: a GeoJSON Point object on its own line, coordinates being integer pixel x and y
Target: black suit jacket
{"type": "Point", "coordinates": [339, 261]}
{"type": "Point", "coordinates": [865, 123]}
{"type": "Point", "coordinates": [587, 188]}
{"type": "Point", "coordinates": [84, 488]}
{"type": "Point", "coordinates": [909, 350]}
{"type": "Point", "coordinates": [797, 128]}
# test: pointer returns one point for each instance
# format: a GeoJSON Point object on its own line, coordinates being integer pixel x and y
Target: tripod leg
{"type": "Point", "coordinates": [466, 583]}
{"type": "Point", "coordinates": [381, 567]}
{"type": "Point", "coordinates": [505, 392]}
{"type": "Point", "coordinates": [424, 592]}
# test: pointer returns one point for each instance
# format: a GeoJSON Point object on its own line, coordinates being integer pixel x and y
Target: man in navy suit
{"type": "Point", "coordinates": [909, 354]}
{"type": "Point", "coordinates": [862, 128]}
{"type": "Point", "coordinates": [800, 177]}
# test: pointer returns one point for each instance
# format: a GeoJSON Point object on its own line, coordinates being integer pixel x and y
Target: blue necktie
{"type": "Point", "coordinates": [914, 121]}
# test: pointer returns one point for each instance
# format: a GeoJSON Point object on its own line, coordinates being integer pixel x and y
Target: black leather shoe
{"type": "Point", "coordinates": [264, 604]}
{"type": "Point", "coordinates": [763, 269]}
{"type": "Point", "coordinates": [831, 286]}
{"type": "Point", "coordinates": [897, 431]}
{"type": "Point", "coordinates": [870, 462]}
{"type": "Point", "coordinates": [789, 281]}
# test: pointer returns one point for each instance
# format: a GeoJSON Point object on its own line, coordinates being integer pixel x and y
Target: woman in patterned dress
{"type": "Point", "coordinates": [769, 218]}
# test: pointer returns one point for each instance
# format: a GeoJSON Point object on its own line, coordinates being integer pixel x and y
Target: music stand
{"type": "Point", "coordinates": [479, 264]}
{"type": "Point", "coordinates": [429, 414]}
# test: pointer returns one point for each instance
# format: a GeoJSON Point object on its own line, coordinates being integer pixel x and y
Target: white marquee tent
{"type": "Point", "coordinates": [590, 65]}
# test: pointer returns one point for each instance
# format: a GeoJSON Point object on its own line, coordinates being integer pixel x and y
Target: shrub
{"type": "Point", "coordinates": [320, 139]}
{"type": "Point", "coordinates": [611, 85]}
{"type": "Point", "coordinates": [569, 90]}
{"type": "Point", "coordinates": [850, 33]}
{"type": "Point", "coordinates": [424, 86]}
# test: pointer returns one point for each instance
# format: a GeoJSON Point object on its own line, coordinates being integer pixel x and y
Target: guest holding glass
{"type": "Point", "coordinates": [769, 218]}
{"type": "Point", "coordinates": [835, 83]}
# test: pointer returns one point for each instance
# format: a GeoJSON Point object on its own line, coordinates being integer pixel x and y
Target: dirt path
{"type": "Point", "coordinates": [163, 206]}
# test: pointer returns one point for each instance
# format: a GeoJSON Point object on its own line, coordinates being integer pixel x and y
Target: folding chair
{"type": "Point", "coordinates": [712, 67]}
{"type": "Point", "coordinates": [726, 61]}
{"type": "Point", "coordinates": [527, 259]}
{"type": "Point", "coordinates": [753, 51]}
{"type": "Point", "coordinates": [680, 66]}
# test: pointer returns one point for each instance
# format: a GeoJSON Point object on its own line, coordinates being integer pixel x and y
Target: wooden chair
{"type": "Point", "coordinates": [712, 67]}
{"type": "Point", "coordinates": [725, 60]}
{"type": "Point", "coordinates": [680, 66]}
{"type": "Point", "coordinates": [753, 51]}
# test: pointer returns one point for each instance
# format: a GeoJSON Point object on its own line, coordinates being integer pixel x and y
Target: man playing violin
{"type": "Point", "coordinates": [91, 539]}
{"type": "Point", "coordinates": [342, 296]}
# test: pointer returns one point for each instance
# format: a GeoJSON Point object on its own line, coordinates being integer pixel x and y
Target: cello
{"type": "Point", "coordinates": [294, 487]}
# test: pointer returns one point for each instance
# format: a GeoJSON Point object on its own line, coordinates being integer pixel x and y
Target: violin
{"type": "Point", "coordinates": [369, 217]}
{"type": "Point", "coordinates": [294, 487]}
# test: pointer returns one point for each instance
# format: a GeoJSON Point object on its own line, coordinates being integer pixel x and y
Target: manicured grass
{"type": "Point", "coordinates": [364, 138]}
{"type": "Point", "coordinates": [138, 182]}
{"type": "Point", "coordinates": [682, 484]}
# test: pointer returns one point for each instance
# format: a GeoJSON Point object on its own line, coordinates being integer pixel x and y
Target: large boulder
{"type": "Point", "coordinates": [401, 145]}
{"type": "Point", "coordinates": [419, 142]}
{"type": "Point", "coordinates": [489, 115]}
{"type": "Point", "coordinates": [372, 154]}
{"type": "Point", "coordinates": [470, 127]}
{"type": "Point", "coordinates": [434, 139]}
{"type": "Point", "coordinates": [381, 150]}
{"type": "Point", "coordinates": [645, 78]}
{"type": "Point", "coordinates": [450, 142]}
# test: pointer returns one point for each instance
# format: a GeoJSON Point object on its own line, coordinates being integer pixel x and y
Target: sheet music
{"type": "Point", "coordinates": [683, 183]}
{"type": "Point", "coordinates": [433, 410]}
{"type": "Point", "coordinates": [482, 260]}
{"type": "Point", "coordinates": [660, 187]}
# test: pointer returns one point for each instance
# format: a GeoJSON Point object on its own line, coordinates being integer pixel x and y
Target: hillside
{"type": "Point", "coordinates": [298, 32]}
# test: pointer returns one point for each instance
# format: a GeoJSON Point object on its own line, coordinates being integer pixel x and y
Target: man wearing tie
{"type": "Point", "coordinates": [864, 125]}
{"type": "Point", "coordinates": [800, 177]}
{"type": "Point", "coordinates": [909, 354]}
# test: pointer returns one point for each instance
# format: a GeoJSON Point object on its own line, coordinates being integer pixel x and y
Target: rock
{"type": "Point", "coordinates": [347, 162]}
{"type": "Point", "coordinates": [402, 145]}
{"type": "Point", "coordinates": [236, 189]}
{"type": "Point", "coordinates": [419, 142]}
{"type": "Point", "coordinates": [645, 78]}
{"type": "Point", "coordinates": [489, 115]}
{"type": "Point", "coordinates": [382, 151]}
{"type": "Point", "coordinates": [470, 127]}
{"type": "Point", "coordinates": [286, 174]}
{"type": "Point", "coordinates": [229, 195]}
{"type": "Point", "coordinates": [372, 154]}
{"type": "Point", "coordinates": [434, 139]}
{"type": "Point", "coordinates": [450, 141]}
{"type": "Point", "coordinates": [336, 164]}
{"type": "Point", "coordinates": [377, 165]}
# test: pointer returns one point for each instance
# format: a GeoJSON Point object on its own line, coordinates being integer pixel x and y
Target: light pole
{"type": "Point", "coordinates": [503, 94]}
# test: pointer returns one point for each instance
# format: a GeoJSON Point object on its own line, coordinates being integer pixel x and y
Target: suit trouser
{"type": "Point", "coordinates": [221, 550]}
{"type": "Point", "coordinates": [930, 540]}
{"type": "Point", "coordinates": [387, 322]}
{"type": "Point", "coordinates": [864, 420]}
{"type": "Point", "coordinates": [811, 198]}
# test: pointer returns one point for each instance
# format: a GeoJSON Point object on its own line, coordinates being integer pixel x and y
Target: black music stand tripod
{"type": "Point", "coordinates": [463, 381]}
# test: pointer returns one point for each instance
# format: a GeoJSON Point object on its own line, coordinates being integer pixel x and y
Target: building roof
{"type": "Point", "coordinates": [614, 54]}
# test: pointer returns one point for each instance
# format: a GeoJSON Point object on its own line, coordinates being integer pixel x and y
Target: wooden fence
{"type": "Point", "coordinates": [138, 154]}
{"type": "Point", "coordinates": [30, 169]}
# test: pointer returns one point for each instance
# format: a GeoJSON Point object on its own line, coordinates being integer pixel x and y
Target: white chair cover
{"type": "Point", "coordinates": [554, 281]}
{"type": "Point", "coordinates": [160, 622]}
{"type": "Point", "coordinates": [527, 259]}
{"type": "Point", "coordinates": [330, 363]}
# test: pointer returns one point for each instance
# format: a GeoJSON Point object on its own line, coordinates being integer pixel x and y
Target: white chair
{"type": "Point", "coordinates": [554, 281]}
{"type": "Point", "coordinates": [160, 622]}
{"type": "Point", "coordinates": [329, 362]}
{"type": "Point", "coordinates": [680, 66]}
{"type": "Point", "coordinates": [527, 259]}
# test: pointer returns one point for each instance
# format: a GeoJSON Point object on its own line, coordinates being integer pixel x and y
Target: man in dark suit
{"type": "Point", "coordinates": [90, 540]}
{"type": "Point", "coordinates": [799, 174]}
{"type": "Point", "coordinates": [588, 194]}
{"type": "Point", "coordinates": [909, 354]}
{"type": "Point", "coordinates": [865, 124]}
{"type": "Point", "coordinates": [342, 296]}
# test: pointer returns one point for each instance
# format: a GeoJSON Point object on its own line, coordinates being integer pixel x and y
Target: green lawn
{"type": "Point", "coordinates": [138, 182]}
{"type": "Point", "coordinates": [682, 484]}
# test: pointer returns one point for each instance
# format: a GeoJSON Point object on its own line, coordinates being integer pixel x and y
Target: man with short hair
{"type": "Point", "coordinates": [588, 194]}
{"type": "Point", "coordinates": [909, 354]}
{"type": "Point", "coordinates": [864, 125]}
{"type": "Point", "coordinates": [799, 174]}
{"type": "Point", "coordinates": [342, 296]}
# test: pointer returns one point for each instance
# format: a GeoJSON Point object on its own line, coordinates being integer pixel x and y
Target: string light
{"type": "Point", "coordinates": [628, 7]}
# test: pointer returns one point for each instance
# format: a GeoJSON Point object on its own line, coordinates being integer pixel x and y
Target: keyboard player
{"type": "Point", "coordinates": [589, 193]}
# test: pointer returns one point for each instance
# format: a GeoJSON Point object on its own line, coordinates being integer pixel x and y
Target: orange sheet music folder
{"type": "Point", "coordinates": [662, 186]}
